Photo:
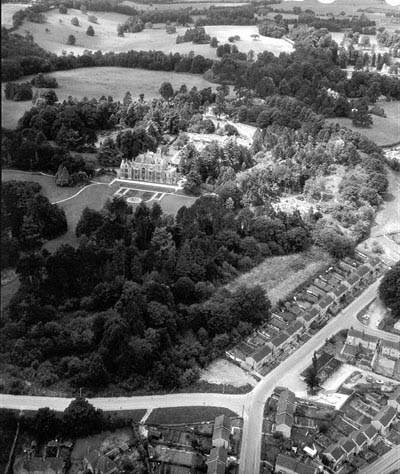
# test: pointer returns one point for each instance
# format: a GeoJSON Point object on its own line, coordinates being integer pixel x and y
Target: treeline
{"type": "Point", "coordinates": [149, 316]}
{"type": "Point", "coordinates": [28, 220]}
{"type": "Point", "coordinates": [49, 131]}
{"type": "Point", "coordinates": [21, 56]}
{"type": "Point", "coordinates": [360, 24]}
{"type": "Point", "coordinates": [306, 74]}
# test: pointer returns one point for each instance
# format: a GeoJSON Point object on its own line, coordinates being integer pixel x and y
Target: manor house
{"type": "Point", "coordinates": [149, 166]}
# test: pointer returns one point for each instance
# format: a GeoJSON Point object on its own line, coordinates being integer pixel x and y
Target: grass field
{"type": "Point", "coordinates": [182, 4]}
{"type": "Point", "coordinates": [179, 415]}
{"type": "Point", "coordinates": [49, 187]}
{"type": "Point", "coordinates": [95, 82]}
{"type": "Point", "coordinates": [106, 38]}
{"type": "Point", "coordinates": [8, 10]}
{"type": "Point", "coordinates": [279, 276]}
{"type": "Point", "coordinates": [350, 7]}
{"type": "Point", "coordinates": [384, 131]}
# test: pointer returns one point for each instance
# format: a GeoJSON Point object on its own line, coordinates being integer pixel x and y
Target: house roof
{"type": "Point", "coordinates": [358, 437]}
{"type": "Point", "coordinates": [244, 348]}
{"type": "Point", "coordinates": [261, 353]}
{"type": "Point", "coordinates": [339, 290]}
{"type": "Point", "coordinates": [279, 339]}
{"type": "Point", "coordinates": [370, 431]}
{"type": "Point", "coordinates": [222, 421]}
{"type": "Point", "coordinates": [335, 451]}
{"type": "Point", "coordinates": [361, 335]}
{"type": "Point", "coordinates": [391, 344]}
{"type": "Point", "coordinates": [325, 301]}
{"type": "Point", "coordinates": [386, 416]}
{"type": "Point", "coordinates": [347, 445]}
{"type": "Point", "coordinates": [294, 327]}
{"type": "Point", "coordinates": [292, 464]}
{"type": "Point", "coordinates": [363, 270]}
{"type": "Point", "coordinates": [215, 467]}
{"type": "Point", "coordinates": [284, 419]}
{"type": "Point", "coordinates": [218, 454]}
{"type": "Point", "coordinates": [350, 350]}
{"type": "Point", "coordinates": [221, 433]}
{"type": "Point", "coordinates": [395, 395]}
{"type": "Point", "coordinates": [352, 278]}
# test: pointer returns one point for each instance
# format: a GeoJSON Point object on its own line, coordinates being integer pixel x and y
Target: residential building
{"type": "Point", "coordinates": [335, 454]}
{"type": "Point", "coordinates": [221, 431]}
{"type": "Point", "coordinates": [324, 304]}
{"type": "Point", "coordinates": [358, 338]}
{"type": "Point", "coordinates": [216, 462]}
{"type": "Point", "coordinates": [394, 399]}
{"type": "Point", "coordinates": [370, 433]}
{"type": "Point", "coordinates": [288, 465]}
{"type": "Point", "coordinates": [348, 446]}
{"type": "Point", "coordinates": [391, 349]}
{"type": "Point", "coordinates": [285, 413]}
{"type": "Point", "coordinates": [149, 166]}
{"type": "Point", "coordinates": [360, 440]}
{"type": "Point", "coordinates": [384, 419]}
{"type": "Point", "coordinates": [260, 357]}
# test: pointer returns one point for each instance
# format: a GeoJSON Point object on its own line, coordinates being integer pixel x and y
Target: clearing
{"type": "Point", "coordinates": [385, 131]}
{"type": "Point", "coordinates": [49, 188]}
{"type": "Point", "coordinates": [98, 81]}
{"type": "Point", "coordinates": [350, 7]}
{"type": "Point", "coordinates": [156, 38]}
{"type": "Point", "coordinates": [185, 415]}
{"type": "Point", "coordinates": [8, 10]}
{"type": "Point", "coordinates": [280, 276]}
{"type": "Point", "coordinates": [224, 372]}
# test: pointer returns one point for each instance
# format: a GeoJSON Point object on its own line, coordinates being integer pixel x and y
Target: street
{"type": "Point", "coordinates": [386, 464]}
{"type": "Point", "coordinates": [250, 405]}
{"type": "Point", "coordinates": [291, 367]}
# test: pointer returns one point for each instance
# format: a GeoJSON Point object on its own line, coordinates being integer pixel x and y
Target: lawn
{"type": "Point", "coordinates": [156, 38]}
{"type": "Point", "coordinates": [180, 415]}
{"type": "Point", "coordinates": [8, 10]}
{"type": "Point", "coordinates": [49, 188]}
{"type": "Point", "coordinates": [350, 7]}
{"type": "Point", "coordinates": [171, 203]}
{"type": "Point", "coordinates": [98, 81]}
{"type": "Point", "coordinates": [385, 130]}
{"type": "Point", "coordinates": [280, 276]}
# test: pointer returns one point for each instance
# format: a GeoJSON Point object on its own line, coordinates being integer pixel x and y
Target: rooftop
{"type": "Point", "coordinates": [361, 335]}
{"type": "Point", "coordinates": [358, 437]}
{"type": "Point", "coordinates": [347, 445]}
{"type": "Point", "coordinates": [279, 339]}
{"type": "Point", "coordinates": [325, 301]}
{"type": "Point", "coordinates": [335, 451]}
{"type": "Point", "coordinates": [222, 421]}
{"type": "Point", "coordinates": [395, 395]}
{"type": "Point", "coordinates": [386, 416]}
{"type": "Point", "coordinates": [370, 431]}
{"type": "Point", "coordinates": [292, 464]}
{"type": "Point", "coordinates": [339, 290]}
{"type": "Point", "coordinates": [218, 454]}
{"type": "Point", "coordinates": [261, 353]}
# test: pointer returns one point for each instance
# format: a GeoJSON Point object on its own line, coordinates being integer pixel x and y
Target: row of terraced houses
{"type": "Point", "coordinates": [323, 298]}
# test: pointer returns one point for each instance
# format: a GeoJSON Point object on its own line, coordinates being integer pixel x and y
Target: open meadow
{"type": "Point", "coordinates": [156, 38]}
{"type": "Point", "coordinates": [280, 276]}
{"type": "Point", "coordinates": [350, 7]}
{"type": "Point", "coordinates": [98, 81]}
{"type": "Point", "coordinates": [8, 10]}
{"type": "Point", "coordinates": [385, 131]}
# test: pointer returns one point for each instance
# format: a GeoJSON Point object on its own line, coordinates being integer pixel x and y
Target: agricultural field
{"type": "Point", "coordinates": [8, 10]}
{"type": "Point", "coordinates": [350, 7]}
{"type": "Point", "coordinates": [182, 4]}
{"type": "Point", "coordinates": [280, 276]}
{"type": "Point", "coordinates": [156, 38]}
{"type": "Point", "coordinates": [385, 131]}
{"type": "Point", "coordinates": [95, 82]}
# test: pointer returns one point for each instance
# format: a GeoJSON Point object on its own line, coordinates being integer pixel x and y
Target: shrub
{"type": "Point", "coordinates": [90, 31]}
{"type": "Point", "coordinates": [92, 19]}
{"type": "Point", "coordinates": [75, 21]}
{"type": "Point", "coordinates": [71, 40]}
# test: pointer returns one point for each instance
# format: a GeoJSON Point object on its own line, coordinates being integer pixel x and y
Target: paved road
{"type": "Point", "coordinates": [291, 367]}
{"type": "Point", "coordinates": [250, 406]}
{"type": "Point", "coordinates": [386, 464]}
{"type": "Point", "coordinates": [233, 402]}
